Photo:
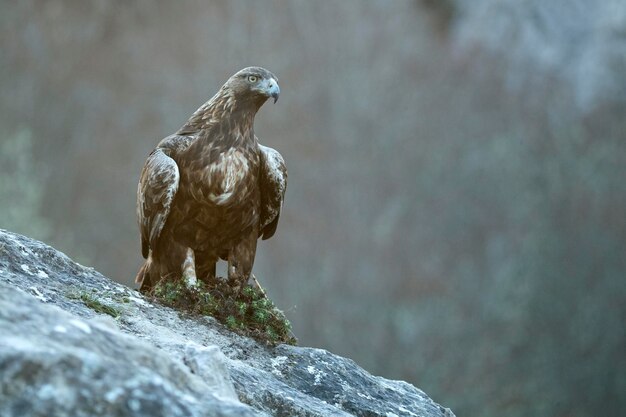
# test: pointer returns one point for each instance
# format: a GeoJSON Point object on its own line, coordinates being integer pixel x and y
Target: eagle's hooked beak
{"type": "Point", "coordinates": [272, 89]}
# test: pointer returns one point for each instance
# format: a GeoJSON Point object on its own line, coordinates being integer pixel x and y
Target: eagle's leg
{"type": "Point", "coordinates": [240, 261]}
{"type": "Point", "coordinates": [206, 268]}
{"type": "Point", "coordinates": [189, 269]}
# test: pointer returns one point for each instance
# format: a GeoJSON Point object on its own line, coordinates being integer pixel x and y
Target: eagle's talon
{"type": "Point", "coordinates": [236, 288]}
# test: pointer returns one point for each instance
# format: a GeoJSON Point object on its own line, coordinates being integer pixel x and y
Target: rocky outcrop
{"type": "Point", "coordinates": [74, 343]}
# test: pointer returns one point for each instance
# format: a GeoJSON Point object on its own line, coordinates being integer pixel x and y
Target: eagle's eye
{"type": "Point", "coordinates": [252, 78]}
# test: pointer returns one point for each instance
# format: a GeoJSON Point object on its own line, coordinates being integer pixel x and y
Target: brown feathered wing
{"type": "Point", "coordinates": [273, 183]}
{"type": "Point", "coordinates": [157, 187]}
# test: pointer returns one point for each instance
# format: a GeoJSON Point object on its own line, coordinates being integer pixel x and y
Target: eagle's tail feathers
{"type": "Point", "coordinates": [144, 277]}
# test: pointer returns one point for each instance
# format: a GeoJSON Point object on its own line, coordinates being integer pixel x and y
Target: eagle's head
{"type": "Point", "coordinates": [252, 86]}
{"type": "Point", "coordinates": [240, 97]}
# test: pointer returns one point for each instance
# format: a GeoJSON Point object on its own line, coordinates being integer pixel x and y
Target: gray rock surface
{"type": "Point", "coordinates": [59, 357]}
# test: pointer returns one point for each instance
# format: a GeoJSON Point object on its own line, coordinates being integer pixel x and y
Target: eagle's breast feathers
{"type": "Point", "coordinates": [226, 175]}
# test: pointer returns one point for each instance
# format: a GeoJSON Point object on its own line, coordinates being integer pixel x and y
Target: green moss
{"type": "Point", "coordinates": [248, 312]}
{"type": "Point", "coordinates": [96, 305]}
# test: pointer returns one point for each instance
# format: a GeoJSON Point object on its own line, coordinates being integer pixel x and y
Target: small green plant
{"type": "Point", "coordinates": [96, 305]}
{"type": "Point", "coordinates": [248, 312]}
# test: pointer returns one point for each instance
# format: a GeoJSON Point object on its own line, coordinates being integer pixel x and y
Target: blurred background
{"type": "Point", "coordinates": [456, 210]}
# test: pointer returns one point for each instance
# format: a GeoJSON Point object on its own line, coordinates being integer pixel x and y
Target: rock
{"type": "Point", "coordinates": [210, 364]}
{"type": "Point", "coordinates": [62, 354]}
{"type": "Point", "coordinates": [53, 363]}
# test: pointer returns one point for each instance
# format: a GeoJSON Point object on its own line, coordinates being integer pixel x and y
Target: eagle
{"type": "Point", "coordinates": [211, 190]}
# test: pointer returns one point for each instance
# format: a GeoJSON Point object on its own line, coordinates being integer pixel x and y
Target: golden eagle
{"type": "Point", "coordinates": [210, 190]}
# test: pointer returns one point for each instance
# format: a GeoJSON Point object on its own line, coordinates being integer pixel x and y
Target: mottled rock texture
{"type": "Point", "coordinates": [74, 343]}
